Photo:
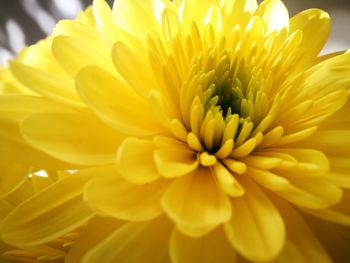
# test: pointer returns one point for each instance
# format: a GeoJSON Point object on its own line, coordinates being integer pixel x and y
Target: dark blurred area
{"type": "Point", "coordinates": [23, 22]}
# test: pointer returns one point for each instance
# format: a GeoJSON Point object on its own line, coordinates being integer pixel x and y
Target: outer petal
{"type": "Point", "coordinates": [76, 138]}
{"type": "Point", "coordinates": [174, 158]}
{"type": "Point", "coordinates": [338, 213]}
{"type": "Point", "coordinates": [196, 203]}
{"type": "Point", "coordinates": [301, 245]}
{"type": "Point", "coordinates": [96, 231]}
{"type": "Point", "coordinates": [56, 87]}
{"type": "Point", "coordinates": [14, 109]}
{"type": "Point", "coordinates": [135, 161]}
{"type": "Point", "coordinates": [136, 17]}
{"type": "Point", "coordinates": [134, 243]}
{"type": "Point", "coordinates": [134, 70]}
{"type": "Point", "coordinates": [116, 104]}
{"type": "Point", "coordinates": [263, 235]}
{"type": "Point", "coordinates": [312, 22]}
{"type": "Point", "coordinates": [12, 175]}
{"type": "Point", "coordinates": [212, 247]}
{"type": "Point", "coordinates": [113, 196]}
{"type": "Point", "coordinates": [74, 54]}
{"type": "Point", "coordinates": [274, 14]}
{"type": "Point", "coordinates": [51, 213]}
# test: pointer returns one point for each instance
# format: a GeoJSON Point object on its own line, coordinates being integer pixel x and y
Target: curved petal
{"type": "Point", "coordinates": [312, 193]}
{"type": "Point", "coordinates": [174, 158]}
{"type": "Point", "coordinates": [212, 247]}
{"type": "Point", "coordinates": [51, 213]}
{"type": "Point", "coordinates": [174, 161]}
{"type": "Point", "coordinates": [77, 138]}
{"type": "Point", "coordinates": [113, 196]}
{"type": "Point", "coordinates": [196, 203]}
{"type": "Point", "coordinates": [274, 14]}
{"type": "Point", "coordinates": [134, 243]}
{"type": "Point", "coordinates": [135, 161]}
{"type": "Point", "coordinates": [116, 104]}
{"type": "Point", "coordinates": [74, 54]}
{"type": "Point", "coordinates": [263, 235]}
{"type": "Point", "coordinates": [311, 22]}
{"type": "Point", "coordinates": [14, 109]}
{"type": "Point", "coordinates": [56, 87]}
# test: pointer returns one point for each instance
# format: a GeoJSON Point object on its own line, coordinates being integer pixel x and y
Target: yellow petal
{"type": "Point", "coordinates": [301, 245]}
{"type": "Point", "coordinates": [11, 177]}
{"type": "Point", "coordinates": [75, 138]}
{"type": "Point", "coordinates": [102, 12]}
{"type": "Point", "coordinates": [96, 231]}
{"type": "Point", "coordinates": [175, 159]}
{"type": "Point", "coordinates": [311, 192]}
{"type": "Point", "coordinates": [311, 22]}
{"type": "Point", "coordinates": [57, 88]}
{"type": "Point", "coordinates": [213, 247]}
{"type": "Point", "coordinates": [50, 213]}
{"type": "Point", "coordinates": [309, 163]}
{"type": "Point", "coordinates": [116, 104]}
{"type": "Point", "coordinates": [263, 235]}
{"type": "Point", "coordinates": [338, 213]}
{"type": "Point", "coordinates": [134, 243]}
{"type": "Point", "coordinates": [14, 110]}
{"type": "Point", "coordinates": [136, 17]}
{"type": "Point", "coordinates": [237, 12]}
{"type": "Point", "coordinates": [135, 71]}
{"type": "Point", "coordinates": [74, 54]}
{"type": "Point", "coordinates": [135, 161]}
{"type": "Point", "coordinates": [113, 196]}
{"type": "Point", "coordinates": [196, 203]}
{"type": "Point", "coordinates": [332, 142]}
{"type": "Point", "coordinates": [274, 14]}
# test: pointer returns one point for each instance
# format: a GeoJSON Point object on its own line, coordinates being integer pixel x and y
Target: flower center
{"type": "Point", "coordinates": [226, 101]}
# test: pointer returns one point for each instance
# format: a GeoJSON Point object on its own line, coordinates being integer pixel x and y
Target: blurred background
{"type": "Point", "coordinates": [23, 22]}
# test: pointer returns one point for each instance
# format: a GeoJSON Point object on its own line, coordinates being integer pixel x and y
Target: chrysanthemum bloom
{"type": "Point", "coordinates": [204, 131]}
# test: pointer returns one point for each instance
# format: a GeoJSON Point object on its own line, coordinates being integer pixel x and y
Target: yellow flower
{"type": "Point", "coordinates": [205, 131]}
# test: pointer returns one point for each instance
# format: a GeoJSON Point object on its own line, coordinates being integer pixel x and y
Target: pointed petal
{"type": "Point", "coordinates": [135, 161]}
{"type": "Point", "coordinates": [50, 213]}
{"type": "Point", "coordinates": [65, 137]}
{"type": "Point", "coordinates": [113, 196]}
{"type": "Point", "coordinates": [116, 104]}
{"type": "Point", "coordinates": [250, 228]}
{"type": "Point", "coordinates": [134, 243]}
{"type": "Point", "coordinates": [212, 247]}
{"type": "Point", "coordinates": [196, 203]}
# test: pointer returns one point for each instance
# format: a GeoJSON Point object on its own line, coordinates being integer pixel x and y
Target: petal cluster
{"type": "Point", "coordinates": [177, 131]}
